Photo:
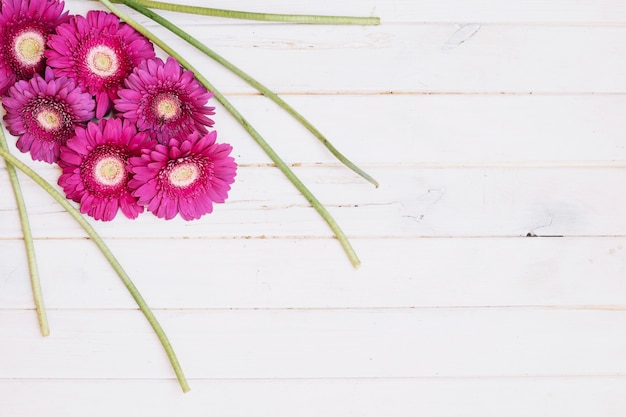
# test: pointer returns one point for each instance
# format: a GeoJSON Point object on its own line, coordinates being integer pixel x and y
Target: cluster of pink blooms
{"type": "Point", "coordinates": [128, 130]}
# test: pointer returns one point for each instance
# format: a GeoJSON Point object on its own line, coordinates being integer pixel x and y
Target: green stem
{"type": "Point", "coordinates": [250, 80]}
{"type": "Point", "coordinates": [117, 267]}
{"type": "Point", "coordinates": [345, 243]}
{"type": "Point", "coordinates": [40, 308]}
{"type": "Point", "coordinates": [266, 17]}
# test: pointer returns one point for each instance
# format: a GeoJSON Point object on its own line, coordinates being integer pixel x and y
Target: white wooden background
{"type": "Point", "coordinates": [485, 121]}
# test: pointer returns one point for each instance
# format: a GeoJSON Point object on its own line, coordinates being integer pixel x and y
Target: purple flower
{"type": "Point", "coordinates": [24, 29]}
{"type": "Point", "coordinates": [95, 173]}
{"type": "Point", "coordinates": [99, 51]}
{"type": "Point", "coordinates": [44, 113]}
{"type": "Point", "coordinates": [165, 100]}
{"type": "Point", "coordinates": [186, 177]}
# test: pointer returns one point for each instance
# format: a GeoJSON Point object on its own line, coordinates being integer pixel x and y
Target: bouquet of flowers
{"type": "Point", "coordinates": [130, 131]}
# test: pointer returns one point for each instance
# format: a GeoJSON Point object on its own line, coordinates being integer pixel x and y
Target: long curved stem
{"type": "Point", "coordinates": [117, 267]}
{"type": "Point", "coordinates": [345, 243]}
{"type": "Point", "coordinates": [135, 4]}
{"type": "Point", "coordinates": [267, 17]}
{"type": "Point", "coordinates": [35, 283]}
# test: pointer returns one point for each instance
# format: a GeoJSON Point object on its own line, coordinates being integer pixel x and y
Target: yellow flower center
{"type": "Point", "coordinates": [49, 119]}
{"type": "Point", "coordinates": [29, 48]}
{"type": "Point", "coordinates": [167, 108]}
{"type": "Point", "coordinates": [102, 61]}
{"type": "Point", "coordinates": [184, 175]}
{"type": "Point", "coordinates": [109, 171]}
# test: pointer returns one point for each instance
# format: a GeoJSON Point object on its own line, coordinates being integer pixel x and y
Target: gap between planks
{"type": "Point", "coordinates": [578, 307]}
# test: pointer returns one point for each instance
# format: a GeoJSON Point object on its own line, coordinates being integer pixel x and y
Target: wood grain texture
{"type": "Point", "coordinates": [493, 276]}
{"type": "Point", "coordinates": [321, 344]}
{"type": "Point", "coordinates": [439, 397]}
{"type": "Point", "coordinates": [411, 202]}
{"type": "Point", "coordinates": [396, 273]}
{"type": "Point", "coordinates": [435, 58]}
{"type": "Point", "coordinates": [428, 11]}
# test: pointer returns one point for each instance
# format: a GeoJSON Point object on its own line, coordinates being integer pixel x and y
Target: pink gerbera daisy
{"type": "Point", "coordinates": [162, 98]}
{"type": "Point", "coordinates": [100, 52]}
{"type": "Point", "coordinates": [44, 112]}
{"type": "Point", "coordinates": [95, 163]}
{"type": "Point", "coordinates": [24, 29]}
{"type": "Point", "coordinates": [186, 177]}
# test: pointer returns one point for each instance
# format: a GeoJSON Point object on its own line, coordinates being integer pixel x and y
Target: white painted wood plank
{"type": "Point", "coordinates": [443, 57]}
{"type": "Point", "coordinates": [418, 58]}
{"type": "Point", "coordinates": [484, 11]}
{"type": "Point", "coordinates": [434, 129]}
{"type": "Point", "coordinates": [438, 129]}
{"type": "Point", "coordinates": [411, 202]}
{"type": "Point", "coordinates": [272, 273]}
{"type": "Point", "coordinates": [513, 397]}
{"type": "Point", "coordinates": [387, 343]}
